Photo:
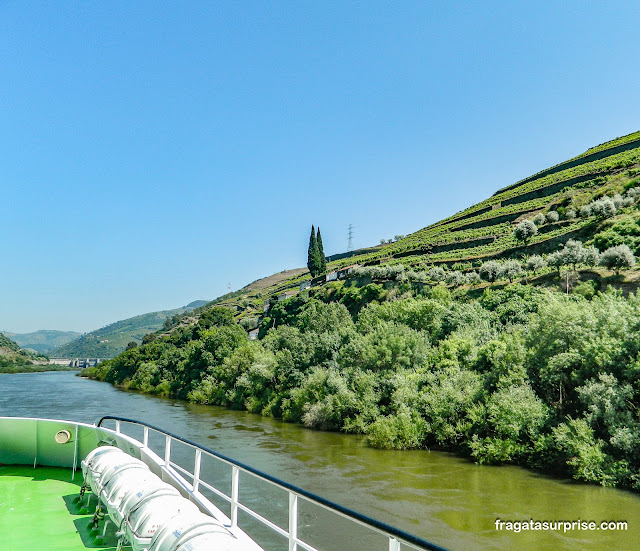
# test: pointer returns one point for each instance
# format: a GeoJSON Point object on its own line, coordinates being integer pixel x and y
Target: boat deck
{"type": "Point", "coordinates": [38, 512]}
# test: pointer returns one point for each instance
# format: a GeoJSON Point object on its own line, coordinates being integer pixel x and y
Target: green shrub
{"type": "Point", "coordinates": [404, 430]}
{"type": "Point", "coordinates": [587, 289]}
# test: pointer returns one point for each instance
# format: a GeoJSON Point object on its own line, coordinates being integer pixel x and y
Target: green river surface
{"type": "Point", "coordinates": [440, 497]}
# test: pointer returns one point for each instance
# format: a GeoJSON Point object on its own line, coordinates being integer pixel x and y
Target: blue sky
{"type": "Point", "coordinates": [153, 152]}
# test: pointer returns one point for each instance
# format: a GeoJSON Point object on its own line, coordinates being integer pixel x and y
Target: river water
{"type": "Point", "coordinates": [435, 495]}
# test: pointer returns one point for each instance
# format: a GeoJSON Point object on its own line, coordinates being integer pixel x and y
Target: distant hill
{"type": "Point", "coordinates": [43, 340]}
{"type": "Point", "coordinates": [111, 340]}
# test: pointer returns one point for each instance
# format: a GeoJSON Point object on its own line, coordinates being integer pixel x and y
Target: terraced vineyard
{"type": "Point", "coordinates": [484, 231]}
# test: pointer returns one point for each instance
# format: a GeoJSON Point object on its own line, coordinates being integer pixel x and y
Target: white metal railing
{"type": "Point", "coordinates": [193, 483]}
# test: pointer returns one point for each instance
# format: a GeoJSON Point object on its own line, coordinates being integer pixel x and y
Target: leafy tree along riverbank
{"type": "Point", "coordinates": [519, 375]}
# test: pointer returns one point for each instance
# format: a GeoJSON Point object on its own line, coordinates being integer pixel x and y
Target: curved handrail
{"type": "Point", "coordinates": [377, 524]}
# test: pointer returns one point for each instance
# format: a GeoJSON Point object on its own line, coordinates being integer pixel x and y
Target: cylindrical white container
{"type": "Point", "coordinates": [110, 467]}
{"type": "Point", "coordinates": [104, 462]}
{"type": "Point", "coordinates": [144, 520]}
{"type": "Point", "coordinates": [194, 532]}
{"type": "Point", "coordinates": [130, 486]}
{"type": "Point", "coordinates": [94, 457]}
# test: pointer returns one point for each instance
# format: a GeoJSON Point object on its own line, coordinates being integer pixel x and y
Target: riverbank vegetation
{"type": "Point", "coordinates": [33, 368]}
{"type": "Point", "coordinates": [516, 375]}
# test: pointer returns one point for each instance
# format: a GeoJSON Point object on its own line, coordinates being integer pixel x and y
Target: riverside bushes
{"type": "Point", "coordinates": [520, 375]}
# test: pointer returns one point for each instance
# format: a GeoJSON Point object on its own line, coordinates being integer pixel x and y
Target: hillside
{"type": "Point", "coordinates": [506, 333]}
{"type": "Point", "coordinates": [111, 340]}
{"type": "Point", "coordinates": [44, 340]}
{"type": "Point", "coordinates": [13, 359]}
{"type": "Point", "coordinates": [484, 231]}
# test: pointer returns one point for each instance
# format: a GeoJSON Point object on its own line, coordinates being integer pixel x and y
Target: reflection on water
{"type": "Point", "coordinates": [435, 495]}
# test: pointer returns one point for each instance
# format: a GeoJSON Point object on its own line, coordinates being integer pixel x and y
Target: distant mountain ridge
{"type": "Point", "coordinates": [42, 340]}
{"type": "Point", "coordinates": [111, 340]}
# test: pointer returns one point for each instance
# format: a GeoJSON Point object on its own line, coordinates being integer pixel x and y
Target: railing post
{"type": "Point", "coordinates": [196, 470]}
{"type": "Point", "coordinates": [145, 437]}
{"type": "Point", "coordinates": [394, 544]}
{"type": "Point", "coordinates": [235, 478]}
{"type": "Point", "coordinates": [293, 521]}
{"type": "Point", "coordinates": [167, 450]}
{"type": "Point", "coordinates": [118, 427]}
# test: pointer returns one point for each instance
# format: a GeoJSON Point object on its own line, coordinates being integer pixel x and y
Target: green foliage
{"type": "Point", "coordinates": [623, 232]}
{"type": "Point", "coordinates": [400, 431]}
{"type": "Point", "coordinates": [455, 278]}
{"type": "Point", "coordinates": [525, 230]}
{"type": "Point", "coordinates": [447, 401]}
{"type": "Point", "coordinates": [580, 451]}
{"type": "Point", "coordinates": [552, 216]}
{"type": "Point", "coordinates": [316, 260]}
{"type": "Point", "coordinates": [321, 259]}
{"type": "Point", "coordinates": [437, 273]}
{"type": "Point", "coordinates": [617, 258]}
{"type": "Point", "coordinates": [587, 289]}
{"type": "Point", "coordinates": [313, 254]}
{"type": "Point", "coordinates": [535, 263]}
{"type": "Point", "coordinates": [556, 260]}
{"type": "Point", "coordinates": [509, 270]}
{"type": "Point", "coordinates": [386, 347]}
{"type": "Point", "coordinates": [489, 270]}
{"type": "Point", "coordinates": [573, 253]}
{"type": "Point", "coordinates": [520, 375]}
{"type": "Point", "coordinates": [515, 417]}
{"type": "Point", "coordinates": [539, 219]}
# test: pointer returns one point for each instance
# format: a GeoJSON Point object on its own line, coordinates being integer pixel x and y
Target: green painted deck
{"type": "Point", "coordinates": [38, 512]}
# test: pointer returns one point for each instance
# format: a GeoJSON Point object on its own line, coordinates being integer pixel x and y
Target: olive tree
{"type": "Point", "coordinates": [535, 263]}
{"type": "Point", "coordinates": [489, 270]}
{"type": "Point", "coordinates": [455, 278]}
{"type": "Point", "coordinates": [556, 260]}
{"type": "Point", "coordinates": [618, 201]}
{"type": "Point", "coordinates": [591, 256]}
{"type": "Point", "coordinates": [437, 273]}
{"type": "Point", "coordinates": [603, 208]}
{"type": "Point", "coordinates": [473, 278]}
{"type": "Point", "coordinates": [525, 230]}
{"type": "Point", "coordinates": [552, 216]}
{"type": "Point", "coordinates": [539, 219]}
{"type": "Point", "coordinates": [617, 258]}
{"type": "Point", "coordinates": [585, 211]}
{"type": "Point", "coordinates": [573, 253]}
{"type": "Point", "coordinates": [510, 269]}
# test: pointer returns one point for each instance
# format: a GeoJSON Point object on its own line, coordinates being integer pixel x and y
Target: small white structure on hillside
{"type": "Point", "coordinates": [287, 294]}
{"type": "Point", "coordinates": [342, 273]}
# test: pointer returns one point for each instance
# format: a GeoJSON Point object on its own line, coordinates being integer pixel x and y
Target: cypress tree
{"type": "Point", "coordinates": [312, 254]}
{"type": "Point", "coordinates": [321, 257]}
